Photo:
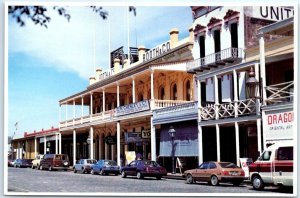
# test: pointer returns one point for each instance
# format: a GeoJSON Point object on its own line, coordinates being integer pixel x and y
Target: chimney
{"type": "Point", "coordinates": [174, 37]}
{"type": "Point", "coordinates": [98, 72]}
{"type": "Point", "coordinates": [126, 64]}
{"type": "Point", "coordinates": [141, 50]}
{"type": "Point", "coordinates": [92, 80]}
{"type": "Point", "coordinates": [116, 65]}
{"type": "Point", "coordinates": [191, 36]}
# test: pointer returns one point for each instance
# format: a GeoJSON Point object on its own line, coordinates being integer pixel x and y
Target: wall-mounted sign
{"type": "Point", "coordinates": [146, 133]}
{"type": "Point", "coordinates": [279, 125]}
{"type": "Point", "coordinates": [157, 51]}
{"type": "Point", "coordinates": [110, 140]}
{"type": "Point", "coordinates": [133, 137]}
{"type": "Point", "coordinates": [272, 13]}
{"type": "Point", "coordinates": [132, 108]}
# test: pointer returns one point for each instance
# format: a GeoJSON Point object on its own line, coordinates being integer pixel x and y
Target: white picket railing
{"type": "Point", "coordinates": [278, 93]}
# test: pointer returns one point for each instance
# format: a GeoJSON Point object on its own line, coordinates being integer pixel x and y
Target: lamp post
{"type": "Point", "coordinates": [252, 84]}
{"type": "Point", "coordinates": [172, 133]}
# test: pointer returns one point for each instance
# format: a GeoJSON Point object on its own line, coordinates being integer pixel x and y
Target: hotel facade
{"type": "Point", "coordinates": [227, 90]}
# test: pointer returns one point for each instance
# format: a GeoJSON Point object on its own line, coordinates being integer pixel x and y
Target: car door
{"type": "Point", "coordinates": [202, 171]}
{"type": "Point", "coordinates": [132, 168]}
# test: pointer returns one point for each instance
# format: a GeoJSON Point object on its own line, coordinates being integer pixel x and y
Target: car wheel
{"type": "Point", "coordinates": [74, 170]}
{"type": "Point", "coordinates": [32, 166]}
{"type": "Point", "coordinates": [15, 166]}
{"type": "Point", "coordinates": [116, 174]}
{"type": "Point", "coordinates": [83, 170]}
{"type": "Point", "coordinates": [257, 183]}
{"type": "Point", "coordinates": [101, 172]}
{"type": "Point", "coordinates": [139, 175]}
{"type": "Point", "coordinates": [41, 167]}
{"type": "Point", "coordinates": [189, 179]}
{"type": "Point", "coordinates": [158, 177]}
{"type": "Point", "coordinates": [214, 180]}
{"type": "Point", "coordinates": [92, 172]}
{"type": "Point", "coordinates": [50, 168]}
{"type": "Point", "coordinates": [123, 174]}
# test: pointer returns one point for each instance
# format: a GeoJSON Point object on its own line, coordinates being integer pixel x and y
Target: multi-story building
{"type": "Point", "coordinates": [229, 101]}
{"type": "Point", "coordinates": [114, 114]}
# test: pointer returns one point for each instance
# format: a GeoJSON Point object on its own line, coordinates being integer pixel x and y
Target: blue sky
{"type": "Point", "coordinates": [46, 65]}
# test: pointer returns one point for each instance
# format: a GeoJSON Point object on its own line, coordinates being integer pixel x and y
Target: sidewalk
{"type": "Point", "coordinates": [177, 176]}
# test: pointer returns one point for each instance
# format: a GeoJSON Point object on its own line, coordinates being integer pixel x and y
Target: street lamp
{"type": "Point", "coordinates": [88, 140]}
{"type": "Point", "coordinates": [252, 84]}
{"type": "Point", "coordinates": [172, 133]}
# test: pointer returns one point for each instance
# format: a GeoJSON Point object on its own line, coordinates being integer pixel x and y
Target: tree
{"type": "Point", "coordinates": [38, 14]}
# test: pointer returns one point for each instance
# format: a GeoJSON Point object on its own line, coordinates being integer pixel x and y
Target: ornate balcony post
{"type": "Point", "coordinates": [133, 89]}
{"type": "Point", "coordinates": [235, 89]}
{"type": "Point", "coordinates": [103, 102]}
{"type": "Point", "coordinates": [153, 140]}
{"type": "Point", "coordinates": [216, 97]}
{"type": "Point", "coordinates": [118, 94]}
{"type": "Point", "coordinates": [74, 147]}
{"type": "Point", "coordinates": [262, 66]}
{"type": "Point", "coordinates": [118, 143]}
{"type": "Point", "coordinates": [91, 104]}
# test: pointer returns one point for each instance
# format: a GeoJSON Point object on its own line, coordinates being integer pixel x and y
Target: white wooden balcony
{"type": "Point", "coordinates": [125, 110]}
{"type": "Point", "coordinates": [226, 56]}
{"type": "Point", "coordinates": [227, 110]}
{"type": "Point", "coordinates": [280, 93]}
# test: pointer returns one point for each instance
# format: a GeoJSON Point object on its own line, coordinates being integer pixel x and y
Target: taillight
{"type": "Point", "coordinates": [242, 173]}
{"type": "Point", "coordinates": [225, 172]}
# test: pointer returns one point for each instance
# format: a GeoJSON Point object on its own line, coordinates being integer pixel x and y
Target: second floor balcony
{"type": "Point", "coordinates": [222, 58]}
{"type": "Point", "coordinates": [280, 93]}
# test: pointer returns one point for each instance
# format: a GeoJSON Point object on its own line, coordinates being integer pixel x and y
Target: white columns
{"type": "Point", "coordinates": [81, 109]}
{"type": "Point", "coordinates": [45, 145]}
{"type": "Point", "coordinates": [60, 142]}
{"type": "Point", "coordinates": [73, 111]}
{"type": "Point", "coordinates": [235, 93]}
{"type": "Point", "coordinates": [237, 143]}
{"type": "Point", "coordinates": [74, 147]}
{"type": "Point", "coordinates": [152, 84]}
{"type": "Point", "coordinates": [35, 147]}
{"type": "Point", "coordinates": [118, 94]}
{"type": "Point", "coordinates": [260, 148]}
{"type": "Point", "coordinates": [200, 145]}
{"type": "Point", "coordinates": [218, 142]}
{"type": "Point", "coordinates": [91, 143]}
{"type": "Point", "coordinates": [91, 104]}
{"type": "Point", "coordinates": [153, 140]}
{"type": "Point", "coordinates": [258, 91]}
{"type": "Point", "coordinates": [216, 96]}
{"type": "Point", "coordinates": [66, 112]}
{"type": "Point", "coordinates": [133, 90]}
{"type": "Point", "coordinates": [100, 147]}
{"type": "Point", "coordinates": [56, 144]}
{"type": "Point", "coordinates": [262, 67]}
{"type": "Point", "coordinates": [103, 101]}
{"type": "Point", "coordinates": [118, 143]}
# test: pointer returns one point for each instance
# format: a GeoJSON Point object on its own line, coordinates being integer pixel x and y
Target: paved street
{"type": "Point", "coordinates": [28, 180]}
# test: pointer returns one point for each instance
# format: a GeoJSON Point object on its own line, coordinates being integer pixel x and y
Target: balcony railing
{"type": "Point", "coordinates": [280, 93]}
{"type": "Point", "coordinates": [223, 57]}
{"type": "Point", "coordinates": [227, 110]}
{"type": "Point", "coordinates": [107, 73]}
{"type": "Point", "coordinates": [177, 108]}
{"type": "Point", "coordinates": [128, 109]}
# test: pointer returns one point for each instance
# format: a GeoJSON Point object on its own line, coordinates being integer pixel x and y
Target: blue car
{"type": "Point", "coordinates": [105, 167]}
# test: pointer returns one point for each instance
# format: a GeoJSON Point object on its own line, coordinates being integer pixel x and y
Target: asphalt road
{"type": "Point", "coordinates": [45, 182]}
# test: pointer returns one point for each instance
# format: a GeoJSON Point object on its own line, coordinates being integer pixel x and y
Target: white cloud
{"type": "Point", "coordinates": [70, 46]}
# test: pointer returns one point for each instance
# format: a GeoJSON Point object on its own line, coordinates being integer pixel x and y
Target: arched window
{"type": "Point", "coordinates": [188, 90]}
{"type": "Point", "coordinates": [161, 93]}
{"type": "Point", "coordinates": [174, 92]}
{"type": "Point", "coordinates": [140, 97]}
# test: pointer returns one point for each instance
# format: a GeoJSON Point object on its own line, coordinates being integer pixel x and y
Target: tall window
{"type": "Point", "coordinates": [161, 93]}
{"type": "Point", "coordinates": [234, 35]}
{"type": "Point", "coordinates": [174, 92]}
{"type": "Point", "coordinates": [217, 39]}
{"type": "Point", "coordinates": [188, 91]}
{"type": "Point", "coordinates": [202, 48]}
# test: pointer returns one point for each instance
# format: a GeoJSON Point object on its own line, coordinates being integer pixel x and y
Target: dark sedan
{"type": "Point", "coordinates": [143, 168]}
{"type": "Point", "coordinates": [105, 167]}
{"type": "Point", "coordinates": [22, 163]}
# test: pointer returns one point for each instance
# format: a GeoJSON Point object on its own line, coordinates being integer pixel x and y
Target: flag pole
{"type": "Point", "coordinates": [128, 35]}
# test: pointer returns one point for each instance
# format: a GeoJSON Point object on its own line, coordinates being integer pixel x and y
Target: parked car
{"type": "Point", "coordinates": [105, 167]}
{"type": "Point", "coordinates": [22, 163]}
{"type": "Point", "coordinates": [215, 172]}
{"type": "Point", "coordinates": [11, 163]}
{"type": "Point", "coordinates": [143, 168]}
{"type": "Point", "coordinates": [274, 166]}
{"type": "Point", "coordinates": [37, 161]}
{"type": "Point", "coordinates": [55, 162]}
{"type": "Point", "coordinates": [84, 165]}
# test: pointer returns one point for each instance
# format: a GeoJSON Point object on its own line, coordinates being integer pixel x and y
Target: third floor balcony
{"type": "Point", "coordinates": [224, 57]}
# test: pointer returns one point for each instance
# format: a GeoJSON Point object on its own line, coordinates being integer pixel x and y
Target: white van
{"type": "Point", "coordinates": [274, 166]}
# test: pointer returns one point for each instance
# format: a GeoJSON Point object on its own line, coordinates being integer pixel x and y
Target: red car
{"type": "Point", "coordinates": [143, 168]}
{"type": "Point", "coordinates": [215, 172]}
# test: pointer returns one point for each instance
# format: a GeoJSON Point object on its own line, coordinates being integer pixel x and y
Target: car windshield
{"type": "Point", "coordinates": [91, 161]}
{"type": "Point", "coordinates": [228, 165]}
{"type": "Point", "coordinates": [61, 157]}
{"type": "Point", "coordinates": [110, 163]}
{"type": "Point", "coordinates": [151, 164]}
